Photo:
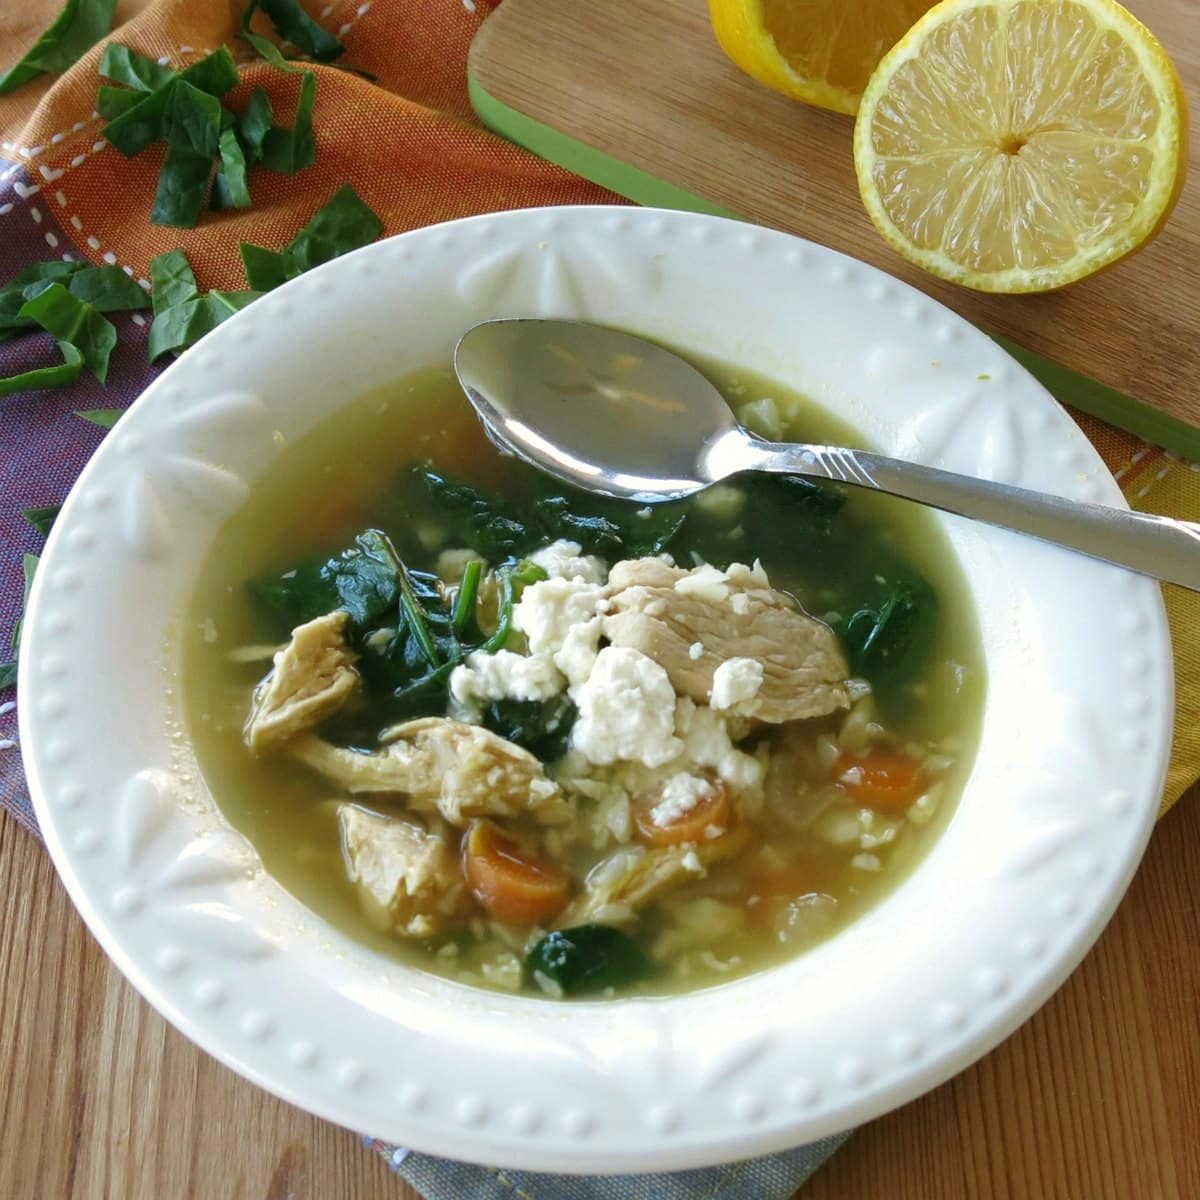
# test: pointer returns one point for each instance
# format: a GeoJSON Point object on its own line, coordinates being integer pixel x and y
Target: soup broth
{"type": "Point", "coordinates": [670, 823]}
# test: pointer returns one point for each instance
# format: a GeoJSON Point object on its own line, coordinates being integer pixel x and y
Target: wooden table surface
{"type": "Point", "coordinates": [1098, 1096]}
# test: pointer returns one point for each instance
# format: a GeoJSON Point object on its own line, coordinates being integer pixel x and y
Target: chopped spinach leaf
{"type": "Point", "coordinates": [122, 65]}
{"type": "Point", "coordinates": [106, 418]}
{"type": "Point", "coordinates": [266, 49]}
{"type": "Point", "coordinates": [25, 285]}
{"type": "Point", "coordinates": [342, 224]}
{"type": "Point", "coordinates": [425, 697]}
{"type": "Point", "coordinates": [886, 635]}
{"type": "Point", "coordinates": [107, 289]}
{"type": "Point", "coordinates": [291, 150]}
{"type": "Point", "coordinates": [133, 129]}
{"type": "Point", "coordinates": [76, 323]}
{"type": "Point", "coordinates": [487, 524]}
{"type": "Point", "coordinates": [215, 74]}
{"type": "Point", "coordinates": [171, 281]}
{"type": "Point", "coordinates": [41, 378]}
{"type": "Point", "coordinates": [8, 674]}
{"type": "Point", "coordinates": [253, 124]}
{"type": "Point", "coordinates": [294, 25]}
{"type": "Point", "coordinates": [183, 325]}
{"type": "Point", "coordinates": [182, 187]}
{"type": "Point", "coordinates": [195, 120]}
{"type": "Point", "coordinates": [42, 519]}
{"type": "Point", "coordinates": [230, 183]}
{"type": "Point", "coordinates": [112, 102]}
{"type": "Point", "coordinates": [588, 958]}
{"type": "Point", "coordinates": [363, 580]}
{"type": "Point", "coordinates": [76, 29]}
{"type": "Point", "coordinates": [368, 579]}
{"type": "Point", "coordinates": [498, 528]}
{"type": "Point", "coordinates": [541, 727]}
{"type": "Point", "coordinates": [152, 116]}
{"type": "Point", "coordinates": [265, 269]}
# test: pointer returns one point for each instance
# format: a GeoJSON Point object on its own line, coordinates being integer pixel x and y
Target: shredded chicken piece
{"type": "Point", "coordinates": [407, 873]}
{"type": "Point", "coordinates": [311, 679]}
{"type": "Point", "coordinates": [734, 615]}
{"type": "Point", "coordinates": [613, 895]}
{"type": "Point", "coordinates": [458, 770]}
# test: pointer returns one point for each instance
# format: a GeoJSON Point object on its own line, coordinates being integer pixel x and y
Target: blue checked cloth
{"type": "Point", "coordinates": [774, 1178]}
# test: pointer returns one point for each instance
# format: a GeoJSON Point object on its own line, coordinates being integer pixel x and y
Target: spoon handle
{"type": "Point", "coordinates": [1151, 545]}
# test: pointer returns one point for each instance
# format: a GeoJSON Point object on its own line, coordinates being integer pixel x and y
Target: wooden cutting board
{"type": "Point", "coordinates": [637, 95]}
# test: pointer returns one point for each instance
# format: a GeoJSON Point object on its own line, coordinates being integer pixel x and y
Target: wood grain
{"type": "Point", "coordinates": [1095, 1098]}
{"type": "Point", "coordinates": [645, 82]}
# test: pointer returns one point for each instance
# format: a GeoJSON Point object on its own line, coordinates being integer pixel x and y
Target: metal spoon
{"type": "Point", "coordinates": [615, 414]}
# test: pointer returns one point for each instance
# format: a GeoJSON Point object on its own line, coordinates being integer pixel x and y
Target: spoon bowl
{"type": "Point", "coordinates": [616, 414]}
{"type": "Point", "coordinates": [595, 407]}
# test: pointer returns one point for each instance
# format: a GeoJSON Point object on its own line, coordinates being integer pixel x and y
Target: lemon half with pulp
{"type": "Point", "coordinates": [1020, 145]}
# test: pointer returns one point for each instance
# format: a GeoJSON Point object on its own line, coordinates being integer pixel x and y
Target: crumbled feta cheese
{"type": "Point", "coordinates": [505, 675]}
{"type": "Point", "coordinates": [866, 862]}
{"type": "Point", "coordinates": [681, 793]}
{"type": "Point", "coordinates": [576, 657]}
{"type": "Point", "coordinates": [691, 862]}
{"type": "Point", "coordinates": [547, 610]}
{"type": "Point", "coordinates": [740, 603]}
{"type": "Point", "coordinates": [451, 564]}
{"type": "Point", "coordinates": [626, 710]}
{"type": "Point", "coordinates": [736, 683]}
{"type": "Point", "coordinates": [695, 651]}
{"type": "Point", "coordinates": [705, 581]}
{"type": "Point", "coordinates": [706, 743]}
{"type": "Point", "coordinates": [565, 560]}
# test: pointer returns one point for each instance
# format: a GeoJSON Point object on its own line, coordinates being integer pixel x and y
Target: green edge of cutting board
{"type": "Point", "coordinates": [1066, 385]}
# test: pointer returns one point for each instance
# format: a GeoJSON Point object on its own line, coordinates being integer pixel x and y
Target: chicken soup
{"type": "Point", "coordinates": [538, 740]}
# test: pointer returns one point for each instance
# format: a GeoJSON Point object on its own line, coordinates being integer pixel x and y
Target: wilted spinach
{"type": "Point", "coordinates": [588, 958]}
{"type": "Point", "coordinates": [499, 528]}
{"type": "Point", "coordinates": [408, 634]}
{"type": "Point", "coordinates": [887, 634]}
{"type": "Point", "coordinates": [542, 727]}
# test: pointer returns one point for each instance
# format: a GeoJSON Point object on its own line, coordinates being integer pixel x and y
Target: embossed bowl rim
{"type": "Point", "coordinates": [1032, 864]}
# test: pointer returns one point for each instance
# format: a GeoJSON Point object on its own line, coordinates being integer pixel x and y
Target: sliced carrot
{"type": "Point", "coordinates": [710, 811]}
{"type": "Point", "coordinates": [883, 780]}
{"type": "Point", "coordinates": [512, 885]}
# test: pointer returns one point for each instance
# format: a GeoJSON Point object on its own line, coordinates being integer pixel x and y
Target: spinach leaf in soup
{"type": "Point", "coordinates": [541, 727]}
{"type": "Point", "coordinates": [886, 637]}
{"type": "Point", "coordinates": [498, 527]}
{"type": "Point", "coordinates": [588, 958]}
{"type": "Point", "coordinates": [363, 579]}
{"type": "Point", "coordinates": [487, 524]}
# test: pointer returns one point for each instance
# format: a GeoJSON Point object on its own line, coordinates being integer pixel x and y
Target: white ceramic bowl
{"type": "Point", "coordinates": [1037, 855]}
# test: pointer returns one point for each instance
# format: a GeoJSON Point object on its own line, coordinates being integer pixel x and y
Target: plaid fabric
{"type": "Point", "coordinates": [410, 146]}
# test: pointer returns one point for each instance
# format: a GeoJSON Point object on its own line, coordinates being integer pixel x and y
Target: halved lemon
{"type": "Point", "coordinates": [820, 51]}
{"type": "Point", "coordinates": [1019, 145]}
